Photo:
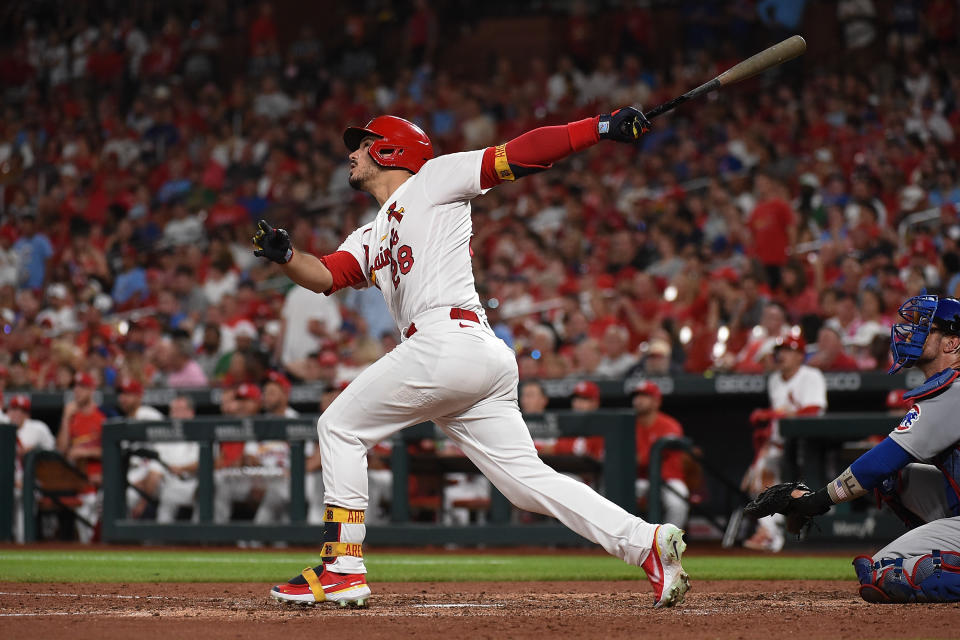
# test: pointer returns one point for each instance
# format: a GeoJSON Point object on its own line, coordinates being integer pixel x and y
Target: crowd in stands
{"type": "Point", "coordinates": [138, 151]}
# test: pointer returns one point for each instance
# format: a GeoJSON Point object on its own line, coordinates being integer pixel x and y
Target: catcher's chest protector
{"type": "Point", "coordinates": [930, 432]}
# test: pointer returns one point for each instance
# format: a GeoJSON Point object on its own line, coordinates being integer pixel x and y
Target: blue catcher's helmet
{"type": "Point", "coordinates": [920, 313]}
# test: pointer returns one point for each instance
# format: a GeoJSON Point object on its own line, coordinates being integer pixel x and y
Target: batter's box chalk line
{"type": "Point", "coordinates": [456, 605]}
{"type": "Point", "coordinates": [112, 596]}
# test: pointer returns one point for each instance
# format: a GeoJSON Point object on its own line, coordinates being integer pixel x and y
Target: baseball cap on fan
{"type": "Point", "coordinates": [248, 391]}
{"type": "Point", "coordinates": [280, 379]}
{"type": "Point", "coordinates": [586, 389]}
{"type": "Point", "coordinates": [895, 399]}
{"type": "Point", "coordinates": [131, 386]}
{"type": "Point", "coordinates": [648, 388]}
{"type": "Point", "coordinates": [84, 379]}
{"type": "Point", "coordinates": [19, 401]}
{"type": "Point", "coordinates": [328, 358]}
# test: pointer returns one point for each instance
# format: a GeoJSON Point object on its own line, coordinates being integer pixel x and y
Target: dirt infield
{"type": "Point", "coordinates": [457, 611]}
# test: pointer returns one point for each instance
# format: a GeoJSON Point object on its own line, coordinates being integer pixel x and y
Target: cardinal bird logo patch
{"type": "Point", "coordinates": [910, 419]}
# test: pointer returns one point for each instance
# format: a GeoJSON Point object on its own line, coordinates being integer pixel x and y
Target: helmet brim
{"type": "Point", "coordinates": [353, 136]}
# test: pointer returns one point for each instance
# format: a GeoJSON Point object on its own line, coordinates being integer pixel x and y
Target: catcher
{"type": "Point", "coordinates": [915, 470]}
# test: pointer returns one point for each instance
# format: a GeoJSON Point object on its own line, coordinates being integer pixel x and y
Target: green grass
{"type": "Point", "coordinates": [267, 567]}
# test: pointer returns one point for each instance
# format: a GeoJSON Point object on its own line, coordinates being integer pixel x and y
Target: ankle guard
{"type": "Point", "coordinates": [343, 534]}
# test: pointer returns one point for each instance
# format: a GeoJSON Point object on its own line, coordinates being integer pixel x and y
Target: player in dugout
{"type": "Point", "coordinates": [915, 470]}
{"type": "Point", "coordinates": [450, 367]}
{"type": "Point", "coordinates": [651, 425]}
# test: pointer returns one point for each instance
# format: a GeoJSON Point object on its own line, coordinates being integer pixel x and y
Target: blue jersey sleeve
{"type": "Point", "coordinates": [871, 468]}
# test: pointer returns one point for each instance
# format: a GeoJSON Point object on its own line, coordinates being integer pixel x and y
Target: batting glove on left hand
{"type": "Point", "coordinates": [623, 125]}
{"type": "Point", "coordinates": [272, 244]}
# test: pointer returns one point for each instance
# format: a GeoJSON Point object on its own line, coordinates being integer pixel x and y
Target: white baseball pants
{"type": "Point", "coordinates": [460, 375]}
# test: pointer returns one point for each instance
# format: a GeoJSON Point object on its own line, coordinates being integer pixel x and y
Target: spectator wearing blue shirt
{"type": "Point", "coordinates": [33, 250]}
{"type": "Point", "coordinates": [369, 304]}
{"type": "Point", "coordinates": [131, 285]}
{"type": "Point", "coordinates": [946, 190]}
{"type": "Point", "coordinates": [249, 199]}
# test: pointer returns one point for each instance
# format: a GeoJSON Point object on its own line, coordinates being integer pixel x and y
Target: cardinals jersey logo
{"type": "Point", "coordinates": [393, 213]}
{"type": "Point", "coordinates": [910, 419]}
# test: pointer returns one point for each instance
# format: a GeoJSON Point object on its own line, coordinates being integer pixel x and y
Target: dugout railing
{"type": "Point", "coordinates": [8, 461]}
{"type": "Point", "coordinates": [618, 472]}
{"type": "Point", "coordinates": [735, 497]}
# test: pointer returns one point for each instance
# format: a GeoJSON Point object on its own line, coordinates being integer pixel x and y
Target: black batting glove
{"type": "Point", "coordinates": [623, 125]}
{"type": "Point", "coordinates": [272, 244]}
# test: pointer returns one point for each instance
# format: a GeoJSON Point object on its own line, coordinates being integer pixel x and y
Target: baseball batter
{"type": "Point", "coordinates": [450, 368]}
{"type": "Point", "coordinates": [915, 470]}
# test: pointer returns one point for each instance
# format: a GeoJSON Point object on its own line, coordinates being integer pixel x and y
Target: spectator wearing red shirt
{"type": "Point", "coordinates": [263, 30]}
{"type": "Point", "coordinates": [830, 355]}
{"type": "Point", "coordinates": [652, 425]}
{"type": "Point", "coordinates": [772, 227]}
{"type": "Point", "coordinates": [105, 64]}
{"type": "Point", "coordinates": [227, 212]}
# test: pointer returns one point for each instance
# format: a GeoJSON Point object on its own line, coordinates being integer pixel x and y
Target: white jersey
{"type": "Point", "coordinates": [807, 388]}
{"type": "Point", "coordinates": [34, 434]}
{"type": "Point", "coordinates": [417, 249]}
{"type": "Point", "coordinates": [273, 453]}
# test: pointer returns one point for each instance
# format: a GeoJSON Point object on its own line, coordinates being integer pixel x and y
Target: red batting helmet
{"type": "Point", "coordinates": [401, 144]}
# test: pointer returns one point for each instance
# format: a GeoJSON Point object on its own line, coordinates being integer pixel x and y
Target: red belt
{"type": "Point", "coordinates": [455, 314]}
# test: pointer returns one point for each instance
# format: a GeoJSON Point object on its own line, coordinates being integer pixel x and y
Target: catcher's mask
{"type": "Point", "coordinates": [920, 314]}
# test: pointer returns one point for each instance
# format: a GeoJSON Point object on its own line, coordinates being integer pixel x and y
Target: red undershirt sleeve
{"type": "Point", "coordinates": [810, 410]}
{"type": "Point", "coordinates": [345, 269]}
{"type": "Point", "coordinates": [535, 151]}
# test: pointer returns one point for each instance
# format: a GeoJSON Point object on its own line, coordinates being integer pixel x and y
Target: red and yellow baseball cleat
{"type": "Point", "coordinates": [664, 571]}
{"type": "Point", "coordinates": [309, 588]}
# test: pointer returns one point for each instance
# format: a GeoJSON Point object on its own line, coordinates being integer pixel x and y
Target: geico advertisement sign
{"type": "Point", "coordinates": [847, 381]}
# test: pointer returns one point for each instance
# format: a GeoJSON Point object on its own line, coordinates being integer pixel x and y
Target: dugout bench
{"type": "Point", "coordinates": [618, 473]}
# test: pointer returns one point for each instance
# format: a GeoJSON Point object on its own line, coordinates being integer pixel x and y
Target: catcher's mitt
{"type": "Point", "coordinates": [799, 510]}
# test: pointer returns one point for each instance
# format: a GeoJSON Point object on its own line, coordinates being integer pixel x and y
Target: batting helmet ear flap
{"type": "Point", "coordinates": [400, 143]}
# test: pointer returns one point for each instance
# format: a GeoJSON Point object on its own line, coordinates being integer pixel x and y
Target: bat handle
{"type": "Point", "coordinates": [706, 87]}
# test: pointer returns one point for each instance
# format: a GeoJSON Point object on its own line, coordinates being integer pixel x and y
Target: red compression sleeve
{"type": "Point", "coordinates": [345, 270]}
{"type": "Point", "coordinates": [536, 150]}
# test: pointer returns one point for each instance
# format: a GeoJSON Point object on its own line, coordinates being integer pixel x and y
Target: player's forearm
{"type": "Point", "coordinates": [63, 437]}
{"type": "Point", "coordinates": [868, 471]}
{"type": "Point", "coordinates": [308, 271]}
{"type": "Point", "coordinates": [536, 150]}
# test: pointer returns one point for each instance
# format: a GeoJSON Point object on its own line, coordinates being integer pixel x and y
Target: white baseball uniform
{"type": "Point", "coordinates": [806, 388]}
{"type": "Point", "coordinates": [450, 368]}
{"type": "Point", "coordinates": [32, 434]}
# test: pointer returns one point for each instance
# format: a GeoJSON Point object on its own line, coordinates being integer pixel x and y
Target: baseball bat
{"type": "Point", "coordinates": [769, 57]}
